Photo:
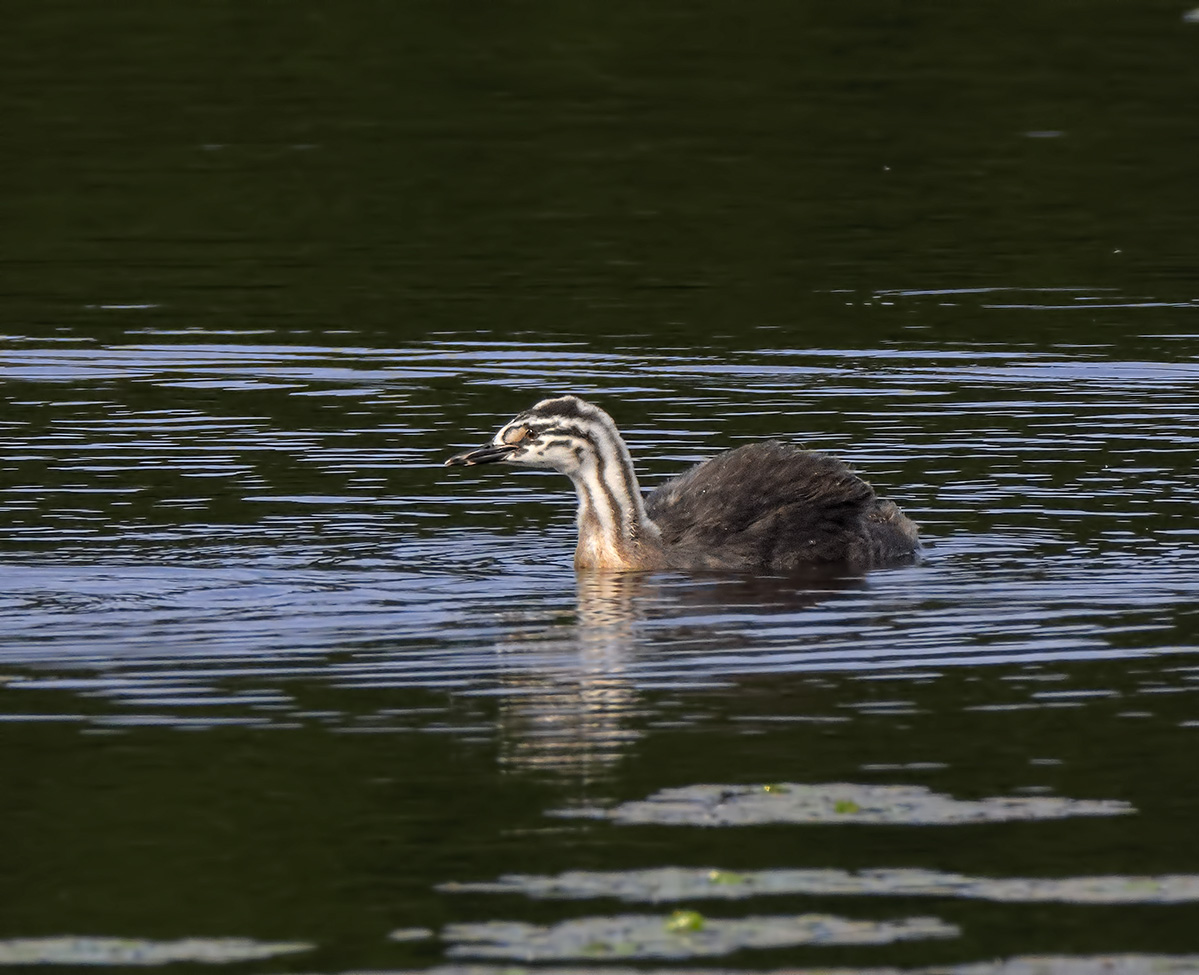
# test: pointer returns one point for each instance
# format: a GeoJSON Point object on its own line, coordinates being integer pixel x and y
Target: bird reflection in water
{"type": "Point", "coordinates": [572, 702]}
{"type": "Point", "coordinates": [571, 718]}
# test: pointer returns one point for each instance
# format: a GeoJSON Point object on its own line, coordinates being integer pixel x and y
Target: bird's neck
{"type": "Point", "coordinates": [614, 531]}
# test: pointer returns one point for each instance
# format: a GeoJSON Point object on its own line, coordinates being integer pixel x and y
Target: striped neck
{"type": "Point", "coordinates": [581, 441]}
{"type": "Point", "coordinates": [614, 531]}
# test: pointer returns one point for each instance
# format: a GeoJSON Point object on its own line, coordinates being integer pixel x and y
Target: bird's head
{"type": "Point", "coordinates": [560, 433]}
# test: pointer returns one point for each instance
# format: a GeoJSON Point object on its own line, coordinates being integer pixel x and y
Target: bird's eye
{"type": "Point", "coordinates": [515, 435]}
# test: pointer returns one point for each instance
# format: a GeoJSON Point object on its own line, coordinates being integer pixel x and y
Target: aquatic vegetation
{"type": "Point", "coordinates": [725, 877]}
{"type": "Point", "coordinates": [840, 802]}
{"type": "Point", "coordinates": [666, 884]}
{"type": "Point", "coordinates": [1128, 964]}
{"type": "Point", "coordinates": [136, 951]}
{"type": "Point", "coordinates": [684, 934]}
{"type": "Point", "coordinates": [681, 921]}
{"type": "Point", "coordinates": [410, 934]}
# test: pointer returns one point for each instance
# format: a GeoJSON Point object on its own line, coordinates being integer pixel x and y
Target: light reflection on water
{"type": "Point", "coordinates": [309, 530]}
{"type": "Point", "coordinates": [212, 537]}
{"type": "Point", "coordinates": [269, 674]}
{"type": "Point", "coordinates": [203, 536]}
{"type": "Point", "coordinates": [646, 628]}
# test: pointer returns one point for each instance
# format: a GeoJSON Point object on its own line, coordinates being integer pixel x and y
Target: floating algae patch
{"type": "Point", "coordinates": [1017, 965]}
{"type": "Point", "coordinates": [410, 934]}
{"type": "Point", "coordinates": [134, 951]}
{"type": "Point", "coordinates": [656, 936]}
{"type": "Point", "coordinates": [838, 802]}
{"type": "Point", "coordinates": [669, 884]}
{"type": "Point", "coordinates": [683, 921]}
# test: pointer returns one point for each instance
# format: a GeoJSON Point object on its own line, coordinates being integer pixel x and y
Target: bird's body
{"type": "Point", "coordinates": [761, 507]}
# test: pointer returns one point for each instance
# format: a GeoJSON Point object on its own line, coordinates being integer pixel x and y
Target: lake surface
{"type": "Point", "coordinates": [280, 692]}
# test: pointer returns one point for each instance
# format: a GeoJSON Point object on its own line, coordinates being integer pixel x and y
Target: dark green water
{"type": "Point", "coordinates": [269, 672]}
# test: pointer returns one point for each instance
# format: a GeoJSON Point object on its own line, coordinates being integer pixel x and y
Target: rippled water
{"type": "Point", "coordinates": [266, 503]}
{"type": "Point", "coordinates": [235, 534]}
{"type": "Point", "coordinates": [278, 691]}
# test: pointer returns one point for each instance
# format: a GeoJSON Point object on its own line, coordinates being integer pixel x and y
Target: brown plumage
{"type": "Point", "coordinates": [762, 507]}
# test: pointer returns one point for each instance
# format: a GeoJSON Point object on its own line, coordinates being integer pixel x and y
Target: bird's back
{"type": "Point", "coordinates": [773, 506]}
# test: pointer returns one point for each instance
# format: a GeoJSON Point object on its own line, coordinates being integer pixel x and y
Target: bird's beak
{"type": "Point", "coordinates": [487, 454]}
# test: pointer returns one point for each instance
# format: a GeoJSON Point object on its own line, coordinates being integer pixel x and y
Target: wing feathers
{"type": "Point", "coordinates": [767, 505]}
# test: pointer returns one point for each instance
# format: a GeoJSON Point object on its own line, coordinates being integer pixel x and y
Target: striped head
{"type": "Point", "coordinates": [564, 433]}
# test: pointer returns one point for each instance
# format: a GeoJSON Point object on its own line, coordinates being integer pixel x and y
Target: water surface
{"type": "Point", "coordinates": [279, 691]}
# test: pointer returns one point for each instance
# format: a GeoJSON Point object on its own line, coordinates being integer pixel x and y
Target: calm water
{"type": "Point", "coordinates": [280, 692]}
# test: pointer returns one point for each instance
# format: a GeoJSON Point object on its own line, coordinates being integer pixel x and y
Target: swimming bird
{"type": "Point", "coordinates": [762, 507]}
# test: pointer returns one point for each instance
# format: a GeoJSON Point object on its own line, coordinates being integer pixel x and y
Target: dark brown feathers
{"type": "Point", "coordinates": [773, 506]}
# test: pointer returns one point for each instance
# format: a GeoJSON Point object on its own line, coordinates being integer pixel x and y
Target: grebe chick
{"type": "Point", "coordinates": [766, 506]}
